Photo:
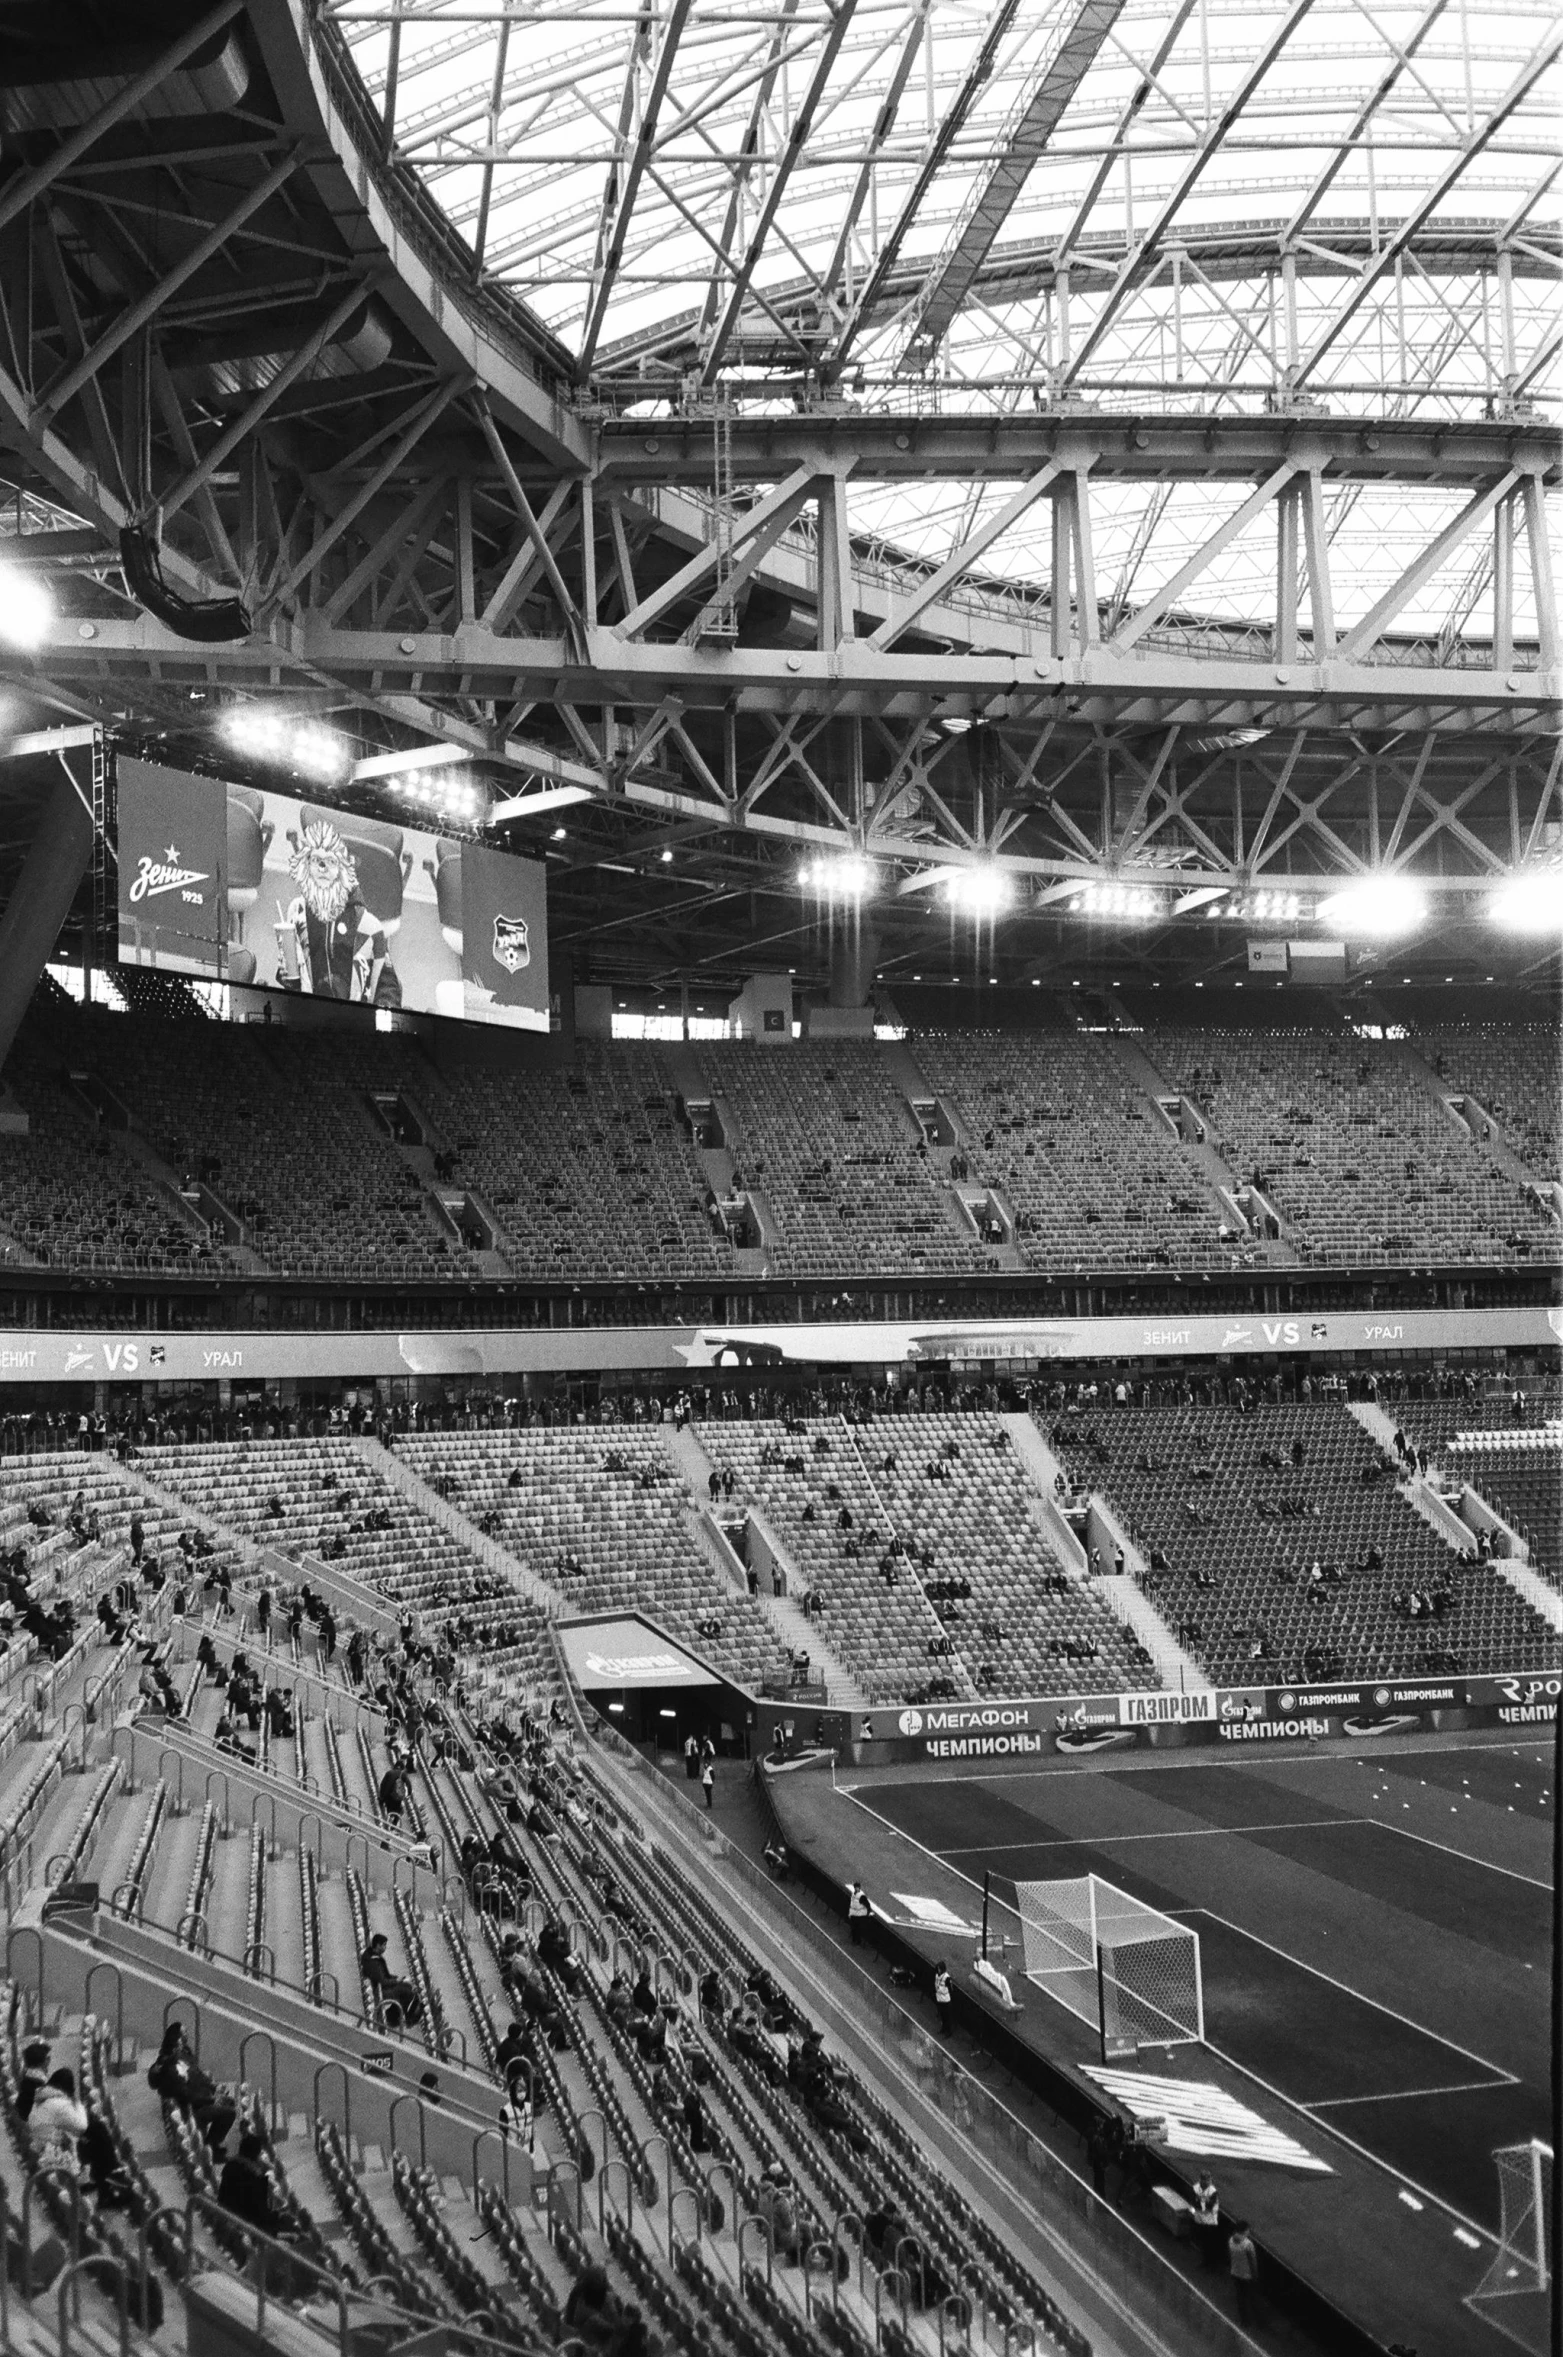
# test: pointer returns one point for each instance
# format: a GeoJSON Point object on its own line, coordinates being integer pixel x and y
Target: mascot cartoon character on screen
{"type": "Point", "coordinates": [343, 950]}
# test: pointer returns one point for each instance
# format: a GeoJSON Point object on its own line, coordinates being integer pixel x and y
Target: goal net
{"type": "Point", "coordinates": [1127, 1969]}
{"type": "Point", "coordinates": [1514, 2294]}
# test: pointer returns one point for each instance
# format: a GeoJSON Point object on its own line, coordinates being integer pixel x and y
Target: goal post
{"type": "Point", "coordinates": [1516, 2291]}
{"type": "Point", "coordinates": [1120, 1965]}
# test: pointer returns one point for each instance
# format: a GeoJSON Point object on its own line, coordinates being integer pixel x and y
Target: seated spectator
{"type": "Point", "coordinates": [554, 1950]}
{"type": "Point", "coordinates": [58, 2122]}
{"type": "Point", "coordinates": [99, 2156]}
{"type": "Point", "coordinates": [591, 2313]}
{"type": "Point", "coordinates": [776, 2206]}
{"type": "Point", "coordinates": [386, 1988]}
{"type": "Point", "coordinates": [35, 2075]}
{"type": "Point", "coordinates": [246, 2189]}
{"type": "Point", "coordinates": [178, 2078]}
{"type": "Point", "coordinates": [226, 1739]}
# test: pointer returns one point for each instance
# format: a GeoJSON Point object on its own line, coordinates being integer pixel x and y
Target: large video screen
{"type": "Point", "coordinates": [236, 885]}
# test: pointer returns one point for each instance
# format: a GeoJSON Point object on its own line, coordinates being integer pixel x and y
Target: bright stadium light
{"type": "Point", "coordinates": [1530, 903]}
{"type": "Point", "coordinates": [978, 891]}
{"type": "Point", "coordinates": [1380, 908]}
{"type": "Point", "coordinates": [1132, 901]}
{"type": "Point", "coordinates": [26, 609]}
{"type": "Point", "coordinates": [845, 875]}
{"type": "Point", "coordinates": [317, 752]}
{"type": "Point", "coordinates": [301, 745]}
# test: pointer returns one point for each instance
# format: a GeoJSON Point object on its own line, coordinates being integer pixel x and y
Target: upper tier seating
{"type": "Point", "coordinates": [1241, 1536]}
{"type": "Point", "coordinates": [280, 1126]}
{"type": "Point", "coordinates": [1091, 1174]}
{"type": "Point", "coordinates": [1360, 1161]}
{"type": "Point", "coordinates": [824, 1135]}
{"type": "Point", "coordinates": [605, 1517]}
{"type": "Point", "coordinates": [1512, 1071]}
{"type": "Point", "coordinates": [71, 1200]}
{"type": "Point", "coordinates": [589, 1174]}
{"type": "Point", "coordinates": [586, 1167]}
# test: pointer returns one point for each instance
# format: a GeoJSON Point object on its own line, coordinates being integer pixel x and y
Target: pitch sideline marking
{"type": "Point", "coordinates": [1407, 2094]}
{"type": "Point", "coordinates": [1449, 1851]}
{"type": "Point", "coordinates": [1500, 2077]}
{"type": "Point", "coordinates": [1171, 1833]}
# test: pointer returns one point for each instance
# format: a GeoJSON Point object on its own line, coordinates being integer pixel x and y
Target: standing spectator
{"type": "Point", "coordinates": [692, 1746]}
{"type": "Point", "coordinates": [138, 1538]}
{"type": "Point", "coordinates": [943, 1998]}
{"type": "Point", "coordinates": [1207, 2217]}
{"type": "Point", "coordinates": [857, 1911]}
{"type": "Point", "coordinates": [1243, 2265]}
{"type": "Point", "coordinates": [708, 1779]}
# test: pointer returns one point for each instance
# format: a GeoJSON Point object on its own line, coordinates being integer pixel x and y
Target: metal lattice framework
{"type": "Point", "coordinates": [1107, 439]}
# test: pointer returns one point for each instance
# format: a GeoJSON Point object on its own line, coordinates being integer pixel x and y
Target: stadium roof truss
{"type": "Point", "coordinates": [1104, 436]}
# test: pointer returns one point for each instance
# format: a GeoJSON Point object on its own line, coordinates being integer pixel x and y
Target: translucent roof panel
{"type": "Point", "coordinates": [1189, 203]}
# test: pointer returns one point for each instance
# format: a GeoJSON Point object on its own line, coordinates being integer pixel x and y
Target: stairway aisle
{"type": "Point", "coordinates": [792, 1626]}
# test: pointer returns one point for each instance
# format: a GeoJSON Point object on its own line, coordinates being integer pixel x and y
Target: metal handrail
{"type": "Point", "coordinates": [763, 2227]}
{"type": "Point", "coordinates": [68, 2295]}
{"type": "Point", "coordinates": [106, 1964]}
{"type": "Point", "coordinates": [422, 2118]}
{"type": "Point", "coordinates": [244, 2047]}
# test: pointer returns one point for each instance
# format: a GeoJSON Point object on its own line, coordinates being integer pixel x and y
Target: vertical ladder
{"type": "Point", "coordinates": [101, 944]}
{"type": "Point", "coordinates": [720, 618]}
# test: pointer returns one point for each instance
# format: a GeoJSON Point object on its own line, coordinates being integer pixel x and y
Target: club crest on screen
{"type": "Point", "coordinates": [511, 949]}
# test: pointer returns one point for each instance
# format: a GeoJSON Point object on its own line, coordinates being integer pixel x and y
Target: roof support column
{"type": "Point", "coordinates": [42, 899]}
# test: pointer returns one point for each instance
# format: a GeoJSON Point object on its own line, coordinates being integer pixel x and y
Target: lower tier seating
{"type": "Point", "coordinates": [607, 1519]}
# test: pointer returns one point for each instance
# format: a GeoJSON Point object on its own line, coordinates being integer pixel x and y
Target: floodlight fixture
{"type": "Point", "coordinates": [983, 891]}
{"type": "Point", "coordinates": [26, 609]}
{"type": "Point", "coordinates": [1379, 908]}
{"type": "Point", "coordinates": [844, 875]}
{"type": "Point", "coordinates": [1531, 902]}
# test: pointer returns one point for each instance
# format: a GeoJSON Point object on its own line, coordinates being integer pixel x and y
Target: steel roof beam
{"type": "Point", "coordinates": [1024, 144]}
{"type": "Point", "coordinates": [22, 191]}
{"type": "Point", "coordinates": [884, 124]}
{"type": "Point", "coordinates": [1150, 446]}
{"type": "Point", "coordinates": [935, 156]}
{"type": "Point", "coordinates": [786, 165]}
{"type": "Point", "coordinates": [1332, 170]}
{"type": "Point", "coordinates": [618, 204]}
{"type": "Point", "coordinates": [1138, 264]}
{"type": "Point", "coordinates": [147, 306]}
{"type": "Point", "coordinates": [1144, 688]}
{"type": "Point", "coordinates": [1542, 59]}
{"type": "Point", "coordinates": [748, 153]}
{"type": "Point", "coordinates": [1126, 121]}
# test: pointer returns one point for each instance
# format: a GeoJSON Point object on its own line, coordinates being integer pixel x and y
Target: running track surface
{"type": "Point", "coordinates": [1375, 1928]}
